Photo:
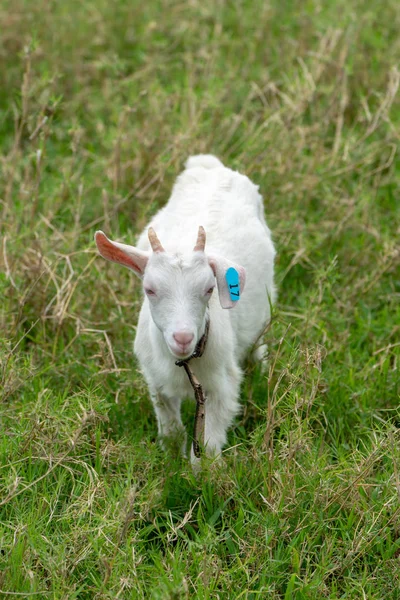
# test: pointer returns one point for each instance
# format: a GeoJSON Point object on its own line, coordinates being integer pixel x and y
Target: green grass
{"type": "Point", "coordinates": [101, 103]}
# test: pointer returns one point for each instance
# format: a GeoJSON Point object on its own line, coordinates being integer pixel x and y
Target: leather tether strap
{"type": "Point", "coordinates": [200, 416]}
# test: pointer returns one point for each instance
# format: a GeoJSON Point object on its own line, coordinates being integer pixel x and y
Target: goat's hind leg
{"type": "Point", "coordinates": [260, 354]}
{"type": "Point", "coordinates": [171, 430]}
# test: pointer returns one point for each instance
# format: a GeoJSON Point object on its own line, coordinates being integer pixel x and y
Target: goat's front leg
{"type": "Point", "coordinates": [221, 408]}
{"type": "Point", "coordinates": [171, 430]}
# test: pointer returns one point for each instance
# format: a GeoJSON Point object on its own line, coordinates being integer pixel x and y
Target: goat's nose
{"type": "Point", "coordinates": [183, 338]}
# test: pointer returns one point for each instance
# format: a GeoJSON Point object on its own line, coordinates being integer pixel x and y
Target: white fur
{"type": "Point", "coordinates": [229, 207]}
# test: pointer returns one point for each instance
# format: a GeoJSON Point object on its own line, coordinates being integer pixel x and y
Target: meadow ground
{"type": "Point", "coordinates": [101, 102]}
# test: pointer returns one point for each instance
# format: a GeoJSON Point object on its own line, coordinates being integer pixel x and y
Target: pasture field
{"type": "Point", "coordinates": [100, 105]}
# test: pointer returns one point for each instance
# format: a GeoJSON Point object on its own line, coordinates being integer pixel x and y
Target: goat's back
{"type": "Point", "coordinates": [226, 203]}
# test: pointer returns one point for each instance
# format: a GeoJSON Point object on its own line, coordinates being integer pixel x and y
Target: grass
{"type": "Point", "coordinates": [101, 104]}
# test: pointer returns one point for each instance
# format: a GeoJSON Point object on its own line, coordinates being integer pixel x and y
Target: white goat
{"type": "Point", "coordinates": [179, 282]}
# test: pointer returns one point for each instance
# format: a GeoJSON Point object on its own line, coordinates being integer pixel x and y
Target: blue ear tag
{"type": "Point", "coordinates": [232, 279]}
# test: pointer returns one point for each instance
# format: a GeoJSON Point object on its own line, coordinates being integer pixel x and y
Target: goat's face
{"type": "Point", "coordinates": [177, 287]}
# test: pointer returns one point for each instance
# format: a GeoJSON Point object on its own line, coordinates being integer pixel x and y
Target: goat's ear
{"type": "Point", "coordinates": [129, 256]}
{"type": "Point", "coordinates": [230, 287]}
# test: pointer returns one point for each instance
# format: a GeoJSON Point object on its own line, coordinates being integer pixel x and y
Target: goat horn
{"type": "Point", "coordinates": [201, 240]}
{"type": "Point", "coordinates": [154, 241]}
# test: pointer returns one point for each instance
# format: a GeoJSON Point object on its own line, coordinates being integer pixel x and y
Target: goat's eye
{"type": "Point", "coordinates": [149, 292]}
{"type": "Point", "coordinates": [210, 291]}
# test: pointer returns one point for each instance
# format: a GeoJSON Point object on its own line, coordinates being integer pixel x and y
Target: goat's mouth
{"type": "Point", "coordinates": [181, 352]}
